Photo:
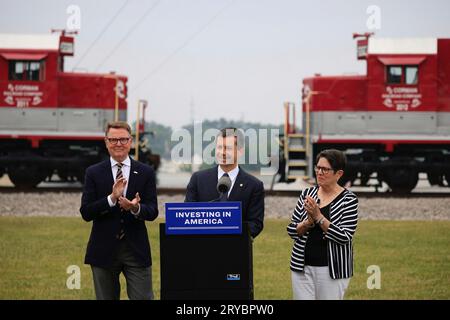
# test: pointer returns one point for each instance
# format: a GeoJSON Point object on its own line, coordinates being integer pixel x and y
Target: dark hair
{"type": "Point", "coordinates": [118, 125]}
{"type": "Point", "coordinates": [233, 132]}
{"type": "Point", "coordinates": [336, 158]}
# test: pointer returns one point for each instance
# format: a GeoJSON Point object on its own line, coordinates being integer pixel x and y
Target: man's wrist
{"type": "Point", "coordinates": [135, 209]}
{"type": "Point", "coordinates": [111, 201]}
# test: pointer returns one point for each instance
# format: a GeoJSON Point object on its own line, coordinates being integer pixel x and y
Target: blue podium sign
{"type": "Point", "coordinates": [204, 218]}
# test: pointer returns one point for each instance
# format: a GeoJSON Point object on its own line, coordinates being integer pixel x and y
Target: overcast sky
{"type": "Point", "coordinates": [236, 59]}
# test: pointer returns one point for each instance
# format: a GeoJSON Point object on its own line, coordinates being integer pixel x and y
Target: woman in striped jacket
{"type": "Point", "coordinates": [322, 227]}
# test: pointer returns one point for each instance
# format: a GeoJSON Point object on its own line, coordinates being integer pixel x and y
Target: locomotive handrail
{"type": "Point", "coordinates": [116, 93]}
{"type": "Point", "coordinates": [307, 130]}
{"type": "Point", "coordinates": [142, 103]}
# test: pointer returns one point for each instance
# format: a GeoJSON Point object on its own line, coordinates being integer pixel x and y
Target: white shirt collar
{"type": "Point", "coordinates": [232, 174]}
{"type": "Point", "coordinates": [126, 162]}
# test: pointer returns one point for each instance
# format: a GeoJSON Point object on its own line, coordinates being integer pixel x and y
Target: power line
{"type": "Point", "coordinates": [127, 34]}
{"type": "Point", "coordinates": [184, 44]}
{"type": "Point", "coordinates": [102, 32]}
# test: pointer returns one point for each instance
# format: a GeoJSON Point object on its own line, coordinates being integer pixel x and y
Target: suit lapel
{"type": "Point", "coordinates": [132, 180]}
{"type": "Point", "coordinates": [212, 181]}
{"type": "Point", "coordinates": [108, 172]}
{"type": "Point", "coordinates": [238, 186]}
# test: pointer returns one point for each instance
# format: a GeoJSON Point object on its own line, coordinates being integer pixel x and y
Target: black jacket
{"type": "Point", "coordinates": [247, 189]}
{"type": "Point", "coordinates": [108, 221]}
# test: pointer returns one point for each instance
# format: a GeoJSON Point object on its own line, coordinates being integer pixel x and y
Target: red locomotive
{"type": "Point", "coordinates": [52, 121]}
{"type": "Point", "coordinates": [393, 123]}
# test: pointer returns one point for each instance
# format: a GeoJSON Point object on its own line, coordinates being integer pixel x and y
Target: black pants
{"type": "Point", "coordinates": [138, 278]}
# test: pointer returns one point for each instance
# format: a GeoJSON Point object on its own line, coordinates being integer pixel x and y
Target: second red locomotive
{"type": "Point", "coordinates": [393, 123]}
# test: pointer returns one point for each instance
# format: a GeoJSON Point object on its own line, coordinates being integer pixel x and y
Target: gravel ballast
{"type": "Point", "coordinates": [59, 204]}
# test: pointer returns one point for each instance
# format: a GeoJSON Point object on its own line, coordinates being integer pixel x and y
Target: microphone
{"type": "Point", "coordinates": [224, 184]}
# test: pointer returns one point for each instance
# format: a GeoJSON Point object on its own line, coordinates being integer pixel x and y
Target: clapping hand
{"type": "Point", "coordinates": [118, 188]}
{"type": "Point", "coordinates": [128, 205]}
{"type": "Point", "coordinates": [312, 209]}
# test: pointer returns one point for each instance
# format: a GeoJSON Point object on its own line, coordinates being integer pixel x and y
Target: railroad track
{"type": "Point", "coordinates": [276, 193]}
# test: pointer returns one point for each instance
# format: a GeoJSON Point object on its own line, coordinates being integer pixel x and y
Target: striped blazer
{"type": "Point", "coordinates": [343, 218]}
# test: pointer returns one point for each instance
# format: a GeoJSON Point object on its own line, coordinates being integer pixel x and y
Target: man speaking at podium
{"type": "Point", "coordinates": [229, 182]}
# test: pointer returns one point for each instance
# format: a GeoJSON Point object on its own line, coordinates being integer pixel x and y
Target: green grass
{"type": "Point", "coordinates": [413, 257]}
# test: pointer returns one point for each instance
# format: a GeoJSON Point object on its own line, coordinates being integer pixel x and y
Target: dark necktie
{"type": "Point", "coordinates": [224, 196]}
{"type": "Point", "coordinates": [119, 175]}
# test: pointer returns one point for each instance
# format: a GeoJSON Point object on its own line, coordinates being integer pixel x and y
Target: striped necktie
{"type": "Point", "coordinates": [119, 173]}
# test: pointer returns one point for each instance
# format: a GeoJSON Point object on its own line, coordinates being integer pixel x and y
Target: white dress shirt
{"type": "Point", "coordinates": [232, 174]}
{"type": "Point", "coordinates": [126, 168]}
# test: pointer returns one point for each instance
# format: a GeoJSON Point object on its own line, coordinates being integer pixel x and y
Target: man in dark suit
{"type": "Point", "coordinates": [119, 195]}
{"type": "Point", "coordinates": [244, 187]}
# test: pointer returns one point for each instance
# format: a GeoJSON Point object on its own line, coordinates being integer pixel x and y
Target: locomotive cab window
{"type": "Point", "coordinates": [411, 75]}
{"type": "Point", "coordinates": [26, 70]}
{"type": "Point", "coordinates": [402, 74]}
{"type": "Point", "coordinates": [394, 74]}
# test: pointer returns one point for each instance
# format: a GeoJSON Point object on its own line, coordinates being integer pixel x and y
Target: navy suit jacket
{"type": "Point", "coordinates": [108, 221]}
{"type": "Point", "coordinates": [247, 189]}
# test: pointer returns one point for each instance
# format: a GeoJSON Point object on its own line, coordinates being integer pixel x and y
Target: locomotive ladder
{"type": "Point", "coordinates": [296, 145]}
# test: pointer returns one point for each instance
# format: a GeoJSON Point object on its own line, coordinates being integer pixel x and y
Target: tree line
{"type": "Point", "coordinates": [159, 135]}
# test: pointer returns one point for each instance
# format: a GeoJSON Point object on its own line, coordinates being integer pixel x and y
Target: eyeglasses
{"type": "Point", "coordinates": [116, 140]}
{"type": "Point", "coordinates": [324, 170]}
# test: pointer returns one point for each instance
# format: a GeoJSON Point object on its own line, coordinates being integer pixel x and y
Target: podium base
{"type": "Point", "coordinates": [206, 267]}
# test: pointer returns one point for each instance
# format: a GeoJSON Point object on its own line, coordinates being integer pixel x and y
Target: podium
{"type": "Point", "coordinates": [206, 266]}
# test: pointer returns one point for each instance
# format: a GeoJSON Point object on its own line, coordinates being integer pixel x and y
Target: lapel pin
{"type": "Point", "coordinates": [241, 185]}
{"type": "Point", "coordinates": [135, 172]}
